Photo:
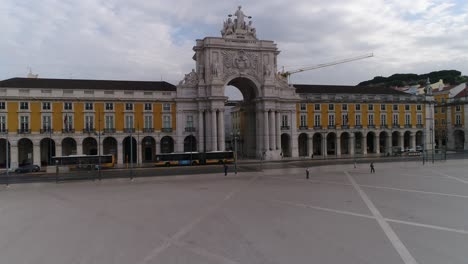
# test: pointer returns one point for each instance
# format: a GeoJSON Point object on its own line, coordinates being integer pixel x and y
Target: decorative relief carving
{"type": "Point", "coordinates": [190, 79]}
{"type": "Point", "coordinates": [235, 62]}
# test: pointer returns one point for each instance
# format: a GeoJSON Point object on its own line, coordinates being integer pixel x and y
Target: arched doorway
{"type": "Point", "coordinates": [317, 144]}
{"type": "Point", "coordinates": [383, 142]}
{"type": "Point", "coordinates": [407, 140]}
{"type": "Point", "coordinates": [190, 144]}
{"type": "Point", "coordinates": [395, 139]}
{"type": "Point", "coordinates": [331, 144]}
{"type": "Point", "coordinates": [303, 146]}
{"type": "Point", "coordinates": [286, 145]}
{"type": "Point", "coordinates": [344, 143]}
{"type": "Point", "coordinates": [90, 146]}
{"type": "Point", "coordinates": [3, 153]}
{"type": "Point", "coordinates": [68, 147]}
{"type": "Point", "coordinates": [167, 144]}
{"type": "Point", "coordinates": [148, 145]}
{"type": "Point", "coordinates": [47, 151]}
{"type": "Point", "coordinates": [109, 146]}
{"type": "Point", "coordinates": [25, 151]}
{"type": "Point", "coordinates": [459, 138]}
{"type": "Point", "coordinates": [358, 142]}
{"type": "Point", "coordinates": [370, 142]}
{"type": "Point", "coordinates": [129, 150]}
{"type": "Point", "coordinates": [419, 139]}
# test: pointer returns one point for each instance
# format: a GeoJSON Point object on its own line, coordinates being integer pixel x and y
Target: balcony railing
{"type": "Point", "coordinates": [109, 130]}
{"type": "Point", "coordinates": [419, 126]}
{"type": "Point", "coordinates": [148, 130]}
{"type": "Point", "coordinates": [166, 129]}
{"type": "Point", "coordinates": [129, 130]}
{"type": "Point", "coordinates": [46, 130]}
{"type": "Point", "coordinates": [303, 127]}
{"type": "Point", "coordinates": [407, 125]}
{"type": "Point", "coordinates": [344, 126]}
{"type": "Point", "coordinates": [358, 126]}
{"type": "Point", "coordinates": [383, 126]}
{"type": "Point", "coordinates": [68, 130]}
{"type": "Point", "coordinates": [396, 126]}
{"type": "Point", "coordinates": [89, 130]}
{"type": "Point", "coordinates": [317, 127]}
{"type": "Point", "coordinates": [24, 131]}
{"type": "Point", "coordinates": [284, 127]}
{"type": "Point", "coordinates": [331, 127]}
{"type": "Point", "coordinates": [458, 125]}
{"type": "Point", "coordinates": [189, 129]}
{"type": "Point", "coordinates": [3, 131]}
{"type": "Point", "coordinates": [370, 126]}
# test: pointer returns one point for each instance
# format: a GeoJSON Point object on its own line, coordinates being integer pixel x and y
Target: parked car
{"type": "Point", "coordinates": [28, 168]}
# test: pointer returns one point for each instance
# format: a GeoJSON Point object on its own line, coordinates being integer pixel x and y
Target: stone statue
{"type": "Point", "coordinates": [214, 69]}
{"type": "Point", "coordinates": [240, 18]}
{"type": "Point", "coordinates": [190, 79]}
{"type": "Point", "coordinates": [238, 28]}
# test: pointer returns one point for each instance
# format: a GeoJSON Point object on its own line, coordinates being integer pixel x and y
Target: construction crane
{"type": "Point", "coordinates": [286, 74]}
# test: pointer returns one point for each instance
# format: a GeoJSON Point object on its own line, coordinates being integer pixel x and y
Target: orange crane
{"type": "Point", "coordinates": [286, 74]}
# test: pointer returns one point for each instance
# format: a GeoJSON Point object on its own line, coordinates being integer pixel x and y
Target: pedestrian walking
{"type": "Point", "coordinates": [225, 169]}
{"type": "Point", "coordinates": [307, 173]}
{"type": "Point", "coordinates": [372, 170]}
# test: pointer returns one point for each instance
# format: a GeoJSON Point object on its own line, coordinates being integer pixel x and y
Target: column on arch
{"type": "Point", "coordinates": [377, 143]}
{"type": "Point", "coordinates": [278, 130]}
{"type": "Point", "coordinates": [338, 145]}
{"type": "Point", "coordinates": [13, 153]}
{"type": "Point", "coordinates": [214, 131]}
{"type": "Point", "coordinates": [201, 139]}
{"type": "Point", "coordinates": [364, 144]}
{"type": "Point", "coordinates": [324, 145]}
{"type": "Point", "coordinates": [271, 115]}
{"type": "Point", "coordinates": [388, 143]}
{"type": "Point", "coordinates": [401, 140]}
{"type": "Point", "coordinates": [36, 153]}
{"type": "Point", "coordinates": [120, 154]}
{"type": "Point", "coordinates": [412, 140]}
{"type": "Point", "coordinates": [139, 149]}
{"type": "Point", "coordinates": [310, 147]}
{"type": "Point", "coordinates": [221, 139]}
{"type": "Point", "coordinates": [266, 132]}
{"type": "Point", "coordinates": [351, 143]}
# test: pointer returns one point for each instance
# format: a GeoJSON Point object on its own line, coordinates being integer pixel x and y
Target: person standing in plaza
{"type": "Point", "coordinates": [307, 173]}
{"type": "Point", "coordinates": [372, 170]}
{"type": "Point", "coordinates": [225, 169]}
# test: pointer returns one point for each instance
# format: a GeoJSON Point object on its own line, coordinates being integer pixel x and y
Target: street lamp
{"type": "Point", "coordinates": [99, 145]}
{"type": "Point", "coordinates": [235, 135]}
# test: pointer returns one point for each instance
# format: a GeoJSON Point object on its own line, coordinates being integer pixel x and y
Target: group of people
{"type": "Point", "coordinates": [372, 169]}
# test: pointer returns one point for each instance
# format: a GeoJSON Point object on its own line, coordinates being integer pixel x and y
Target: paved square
{"type": "Point", "coordinates": [404, 213]}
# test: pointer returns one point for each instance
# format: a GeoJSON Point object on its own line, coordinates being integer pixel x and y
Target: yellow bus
{"type": "Point", "coordinates": [194, 158]}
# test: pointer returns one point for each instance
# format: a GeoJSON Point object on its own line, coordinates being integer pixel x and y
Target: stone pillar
{"type": "Point", "coordinates": [351, 144]}
{"type": "Point", "coordinates": [258, 129]}
{"type": "Point", "coordinates": [278, 130]}
{"type": "Point", "coordinates": [214, 131]}
{"type": "Point", "coordinates": [221, 136]}
{"type": "Point", "coordinates": [338, 146]}
{"type": "Point", "coordinates": [179, 139]}
{"type": "Point", "coordinates": [201, 139]}
{"type": "Point", "coordinates": [120, 154]}
{"type": "Point", "coordinates": [266, 138]}
{"type": "Point", "coordinates": [413, 140]}
{"type": "Point", "coordinates": [79, 149]}
{"type": "Point", "coordinates": [450, 143]}
{"type": "Point", "coordinates": [294, 135]}
{"type": "Point", "coordinates": [324, 145]}
{"type": "Point", "coordinates": [36, 154]}
{"type": "Point", "coordinates": [388, 144]}
{"type": "Point", "coordinates": [401, 140]}
{"type": "Point", "coordinates": [364, 145]}
{"type": "Point", "coordinates": [310, 141]}
{"type": "Point", "coordinates": [58, 150]}
{"type": "Point", "coordinates": [13, 154]}
{"type": "Point", "coordinates": [271, 116]}
{"type": "Point", "coordinates": [138, 151]}
{"type": "Point", "coordinates": [377, 143]}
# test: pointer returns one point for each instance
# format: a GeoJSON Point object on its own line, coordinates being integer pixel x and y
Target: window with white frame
{"type": "Point", "coordinates": [109, 122]}
{"type": "Point", "coordinates": [166, 107]}
{"type": "Point", "coordinates": [148, 121]}
{"type": "Point", "coordinates": [89, 122]}
{"type": "Point", "coordinates": [128, 106]}
{"type": "Point", "coordinates": [358, 120]}
{"type": "Point", "coordinates": [370, 107]}
{"type": "Point", "coordinates": [2, 105]}
{"type": "Point", "coordinates": [167, 121]}
{"type": "Point", "coordinates": [418, 107]}
{"type": "Point", "coordinates": [331, 120]}
{"type": "Point", "coordinates": [395, 119]}
{"type": "Point", "coordinates": [45, 105]}
{"type": "Point", "coordinates": [129, 121]}
{"type": "Point", "coordinates": [383, 119]}
{"type": "Point", "coordinates": [331, 107]}
{"type": "Point", "coordinates": [303, 107]}
{"type": "Point", "coordinates": [190, 121]}
{"type": "Point", "coordinates": [89, 106]}
{"type": "Point", "coordinates": [395, 107]}
{"type": "Point", "coordinates": [24, 123]}
{"type": "Point", "coordinates": [67, 106]}
{"type": "Point", "coordinates": [344, 119]}
{"type": "Point", "coordinates": [46, 122]}
{"type": "Point", "coordinates": [442, 109]}
{"type": "Point", "coordinates": [457, 119]}
{"type": "Point", "coordinates": [109, 106]}
{"type": "Point", "coordinates": [419, 119]}
{"type": "Point", "coordinates": [148, 106]}
{"type": "Point", "coordinates": [284, 121]}
{"type": "Point", "coordinates": [344, 107]}
{"type": "Point", "coordinates": [3, 123]}
{"type": "Point", "coordinates": [68, 122]}
{"type": "Point", "coordinates": [407, 119]}
{"type": "Point", "coordinates": [303, 120]}
{"type": "Point", "coordinates": [382, 107]}
{"type": "Point", "coordinates": [24, 105]}
{"type": "Point", "coordinates": [358, 107]}
{"type": "Point", "coordinates": [317, 121]}
{"type": "Point", "coordinates": [458, 108]}
{"type": "Point", "coordinates": [371, 119]}
{"type": "Point", "coordinates": [407, 107]}
{"type": "Point", "coordinates": [317, 107]}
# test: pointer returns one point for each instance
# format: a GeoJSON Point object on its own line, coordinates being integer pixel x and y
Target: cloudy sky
{"type": "Point", "coordinates": [153, 40]}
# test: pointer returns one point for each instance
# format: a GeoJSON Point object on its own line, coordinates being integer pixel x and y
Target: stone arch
{"type": "Point", "coordinates": [129, 148]}
{"type": "Point", "coordinates": [190, 144]}
{"type": "Point", "coordinates": [358, 142]}
{"type": "Point", "coordinates": [395, 139]}
{"type": "Point", "coordinates": [344, 143]}
{"type": "Point", "coordinates": [25, 151]}
{"type": "Point", "coordinates": [317, 144]}
{"type": "Point", "coordinates": [148, 149]}
{"type": "Point", "coordinates": [68, 146]}
{"type": "Point", "coordinates": [47, 146]}
{"type": "Point", "coordinates": [90, 146]}
{"type": "Point", "coordinates": [370, 142]}
{"type": "Point", "coordinates": [459, 139]}
{"type": "Point", "coordinates": [303, 145]}
{"type": "Point", "coordinates": [109, 146]}
{"type": "Point", "coordinates": [247, 85]}
{"type": "Point", "coordinates": [331, 143]}
{"type": "Point", "coordinates": [167, 144]}
{"type": "Point", "coordinates": [286, 145]}
{"type": "Point", "coordinates": [407, 140]}
{"type": "Point", "coordinates": [419, 138]}
{"type": "Point", "coordinates": [383, 142]}
{"type": "Point", "coordinates": [3, 153]}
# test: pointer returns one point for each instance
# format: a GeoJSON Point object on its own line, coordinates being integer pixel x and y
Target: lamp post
{"type": "Point", "coordinates": [235, 136]}
{"type": "Point", "coordinates": [7, 144]}
{"type": "Point", "coordinates": [99, 146]}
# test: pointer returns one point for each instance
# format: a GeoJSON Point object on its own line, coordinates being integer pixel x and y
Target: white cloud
{"type": "Point", "coordinates": [147, 40]}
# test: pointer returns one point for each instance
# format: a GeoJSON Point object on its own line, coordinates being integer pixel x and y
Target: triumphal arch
{"type": "Point", "coordinates": [240, 59]}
